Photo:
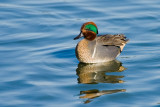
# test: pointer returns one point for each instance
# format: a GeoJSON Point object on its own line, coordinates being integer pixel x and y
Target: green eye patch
{"type": "Point", "coordinates": [91, 28]}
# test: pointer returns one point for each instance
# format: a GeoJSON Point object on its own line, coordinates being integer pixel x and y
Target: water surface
{"type": "Point", "coordinates": [38, 63]}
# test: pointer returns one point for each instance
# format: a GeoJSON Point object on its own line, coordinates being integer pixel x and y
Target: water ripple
{"type": "Point", "coordinates": [38, 63]}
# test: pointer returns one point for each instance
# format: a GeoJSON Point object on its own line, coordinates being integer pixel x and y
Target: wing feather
{"type": "Point", "coordinates": [113, 40]}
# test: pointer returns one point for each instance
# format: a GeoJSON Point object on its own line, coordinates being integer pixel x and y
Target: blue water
{"type": "Point", "coordinates": [38, 67]}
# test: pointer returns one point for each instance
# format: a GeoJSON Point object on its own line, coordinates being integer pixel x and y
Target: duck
{"type": "Point", "coordinates": [96, 48]}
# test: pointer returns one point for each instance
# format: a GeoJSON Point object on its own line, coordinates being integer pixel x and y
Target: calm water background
{"type": "Point", "coordinates": [38, 67]}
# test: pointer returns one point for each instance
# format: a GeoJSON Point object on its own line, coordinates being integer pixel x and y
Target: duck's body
{"type": "Point", "coordinates": [100, 48]}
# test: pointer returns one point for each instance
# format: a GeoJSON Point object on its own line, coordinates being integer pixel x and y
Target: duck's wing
{"type": "Point", "coordinates": [109, 46]}
{"type": "Point", "coordinates": [112, 40]}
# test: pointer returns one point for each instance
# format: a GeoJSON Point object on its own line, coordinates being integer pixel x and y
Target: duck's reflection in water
{"type": "Point", "coordinates": [90, 94]}
{"type": "Point", "coordinates": [96, 73]}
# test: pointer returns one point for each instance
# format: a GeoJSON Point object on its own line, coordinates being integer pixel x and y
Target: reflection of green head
{"type": "Point", "coordinates": [91, 27]}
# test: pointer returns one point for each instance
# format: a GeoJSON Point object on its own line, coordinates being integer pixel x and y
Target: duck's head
{"type": "Point", "coordinates": [89, 31]}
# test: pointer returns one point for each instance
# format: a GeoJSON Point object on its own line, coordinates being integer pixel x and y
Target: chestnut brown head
{"type": "Point", "coordinates": [89, 31]}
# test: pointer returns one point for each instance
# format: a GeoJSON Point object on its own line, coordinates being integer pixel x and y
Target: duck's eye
{"type": "Point", "coordinates": [89, 30]}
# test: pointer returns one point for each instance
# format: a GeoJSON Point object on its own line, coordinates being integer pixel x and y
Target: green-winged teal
{"type": "Point", "coordinates": [97, 49]}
